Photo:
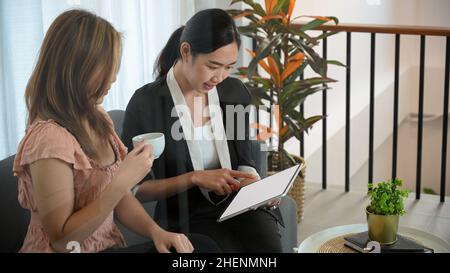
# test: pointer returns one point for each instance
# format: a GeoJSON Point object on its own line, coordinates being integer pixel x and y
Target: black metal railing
{"type": "Point", "coordinates": [395, 121]}
{"type": "Point", "coordinates": [324, 124]}
{"type": "Point", "coordinates": [372, 104]}
{"type": "Point", "coordinates": [397, 31]}
{"type": "Point", "coordinates": [445, 121]}
{"type": "Point", "coordinates": [347, 112]}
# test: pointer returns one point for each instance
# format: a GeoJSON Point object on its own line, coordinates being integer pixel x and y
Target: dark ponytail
{"type": "Point", "coordinates": [206, 31]}
{"type": "Point", "coordinates": [169, 54]}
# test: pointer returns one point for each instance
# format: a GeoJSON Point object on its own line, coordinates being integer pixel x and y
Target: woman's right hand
{"type": "Point", "coordinates": [136, 165]}
{"type": "Point", "coordinates": [165, 241]}
{"type": "Point", "coordinates": [220, 181]}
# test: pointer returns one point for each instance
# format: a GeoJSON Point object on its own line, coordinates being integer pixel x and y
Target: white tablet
{"type": "Point", "coordinates": [261, 192]}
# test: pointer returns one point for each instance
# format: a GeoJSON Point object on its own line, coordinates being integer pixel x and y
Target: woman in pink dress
{"type": "Point", "coordinates": [74, 173]}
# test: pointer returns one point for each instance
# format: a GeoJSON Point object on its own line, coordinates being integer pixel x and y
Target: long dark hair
{"type": "Point", "coordinates": [77, 46]}
{"type": "Point", "coordinates": [206, 31]}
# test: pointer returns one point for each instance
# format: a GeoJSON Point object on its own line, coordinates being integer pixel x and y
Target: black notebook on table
{"type": "Point", "coordinates": [358, 242]}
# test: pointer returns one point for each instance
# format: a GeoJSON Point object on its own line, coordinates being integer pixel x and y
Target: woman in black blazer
{"type": "Point", "coordinates": [196, 177]}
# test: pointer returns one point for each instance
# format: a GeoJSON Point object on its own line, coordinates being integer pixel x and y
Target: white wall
{"type": "Point", "coordinates": [399, 12]}
{"type": "Point", "coordinates": [359, 136]}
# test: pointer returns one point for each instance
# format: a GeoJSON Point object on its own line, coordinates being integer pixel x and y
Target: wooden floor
{"type": "Point", "coordinates": [333, 207]}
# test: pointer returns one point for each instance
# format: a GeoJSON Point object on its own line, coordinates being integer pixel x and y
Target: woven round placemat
{"type": "Point", "coordinates": [336, 245]}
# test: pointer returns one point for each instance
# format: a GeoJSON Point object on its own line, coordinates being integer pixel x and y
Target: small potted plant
{"type": "Point", "coordinates": [386, 207]}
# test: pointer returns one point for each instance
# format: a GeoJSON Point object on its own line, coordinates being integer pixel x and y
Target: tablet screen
{"type": "Point", "coordinates": [260, 192]}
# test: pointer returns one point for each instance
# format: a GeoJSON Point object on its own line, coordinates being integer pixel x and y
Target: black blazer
{"type": "Point", "coordinates": [149, 110]}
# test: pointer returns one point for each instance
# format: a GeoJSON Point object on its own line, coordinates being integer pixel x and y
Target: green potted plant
{"type": "Point", "coordinates": [386, 207]}
{"type": "Point", "coordinates": [283, 51]}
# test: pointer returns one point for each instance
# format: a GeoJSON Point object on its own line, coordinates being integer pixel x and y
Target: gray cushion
{"type": "Point", "coordinates": [288, 233]}
{"type": "Point", "coordinates": [15, 219]}
{"type": "Point", "coordinates": [117, 117]}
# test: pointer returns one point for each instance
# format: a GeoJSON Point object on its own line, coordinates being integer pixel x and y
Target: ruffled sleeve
{"type": "Point", "coordinates": [47, 139]}
{"type": "Point", "coordinates": [44, 140]}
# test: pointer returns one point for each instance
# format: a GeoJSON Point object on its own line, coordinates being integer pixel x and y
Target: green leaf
{"type": "Point", "coordinates": [252, 31]}
{"type": "Point", "coordinates": [293, 127]}
{"type": "Point", "coordinates": [310, 122]}
{"type": "Point", "coordinates": [259, 93]}
{"type": "Point", "coordinates": [335, 19]}
{"type": "Point", "coordinates": [288, 135]}
{"type": "Point", "coordinates": [318, 64]}
{"type": "Point", "coordinates": [293, 113]}
{"type": "Point", "coordinates": [282, 5]}
{"type": "Point", "coordinates": [263, 51]}
{"type": "Point", "coordinates": [312, 24]}
{"type": "Point", "coordinates": [241, 71]}
{"type": "Point", "coordinates": [299, 124]}
{"type": "Point", "coordinates": [299, 96]}
{"type": "Point", "coordinates": [303, 35]}
{"type": "Point", "coordinates": [305, 124]}
{"type": "Point", "coordinates": [326, 34]}
{"type": "Point", "coordinates": [319, 80]}
{"type": "Point", "coordinates": [276, 56]}
{"type": "Point", "coordinates": [235, 1]}
{"type": "Point", "coordinates": [302, 84]}
{"type": "Point", "coordinates": [334, 62]}
{"type": "Point", "coordinates": [318, 22]}
{"type": "Point", "coordinates": [292, 87]}
{"type": "Point", "coordinates": [235, 12]}
{"type": "Point", "coordinates": [256, 7]}
{"type": "Point", "coordinates": [267, 83]}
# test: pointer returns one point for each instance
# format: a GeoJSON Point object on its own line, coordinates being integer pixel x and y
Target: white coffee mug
{"type": "Point", "coordinates": [157, 141]}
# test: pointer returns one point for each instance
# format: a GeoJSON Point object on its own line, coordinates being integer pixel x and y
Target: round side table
{"type": "Point", "coordinates": [331, 240]}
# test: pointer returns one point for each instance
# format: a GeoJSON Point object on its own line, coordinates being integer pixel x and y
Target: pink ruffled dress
{"type": "Point", "coordinates": [47, 139]}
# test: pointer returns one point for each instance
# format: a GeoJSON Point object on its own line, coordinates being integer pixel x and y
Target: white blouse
{"type": "Point", "coordinates": [205, 138]}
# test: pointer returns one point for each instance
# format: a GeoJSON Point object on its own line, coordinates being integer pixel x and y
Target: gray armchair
{"type": "Point", "coordinates": [15, 219]}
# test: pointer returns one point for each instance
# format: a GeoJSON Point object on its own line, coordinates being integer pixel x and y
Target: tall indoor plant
{"type": "Point", "coordinates": [283, 50]}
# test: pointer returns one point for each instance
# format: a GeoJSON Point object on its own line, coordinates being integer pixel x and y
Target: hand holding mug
{"type": "Point", "coordinates": [157, 141]}
{"type": "Point", "coordinates": [136, 165]}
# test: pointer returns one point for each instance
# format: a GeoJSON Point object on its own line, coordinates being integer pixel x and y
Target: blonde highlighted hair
{"type": "Point", "coordinates": [78, 58]}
